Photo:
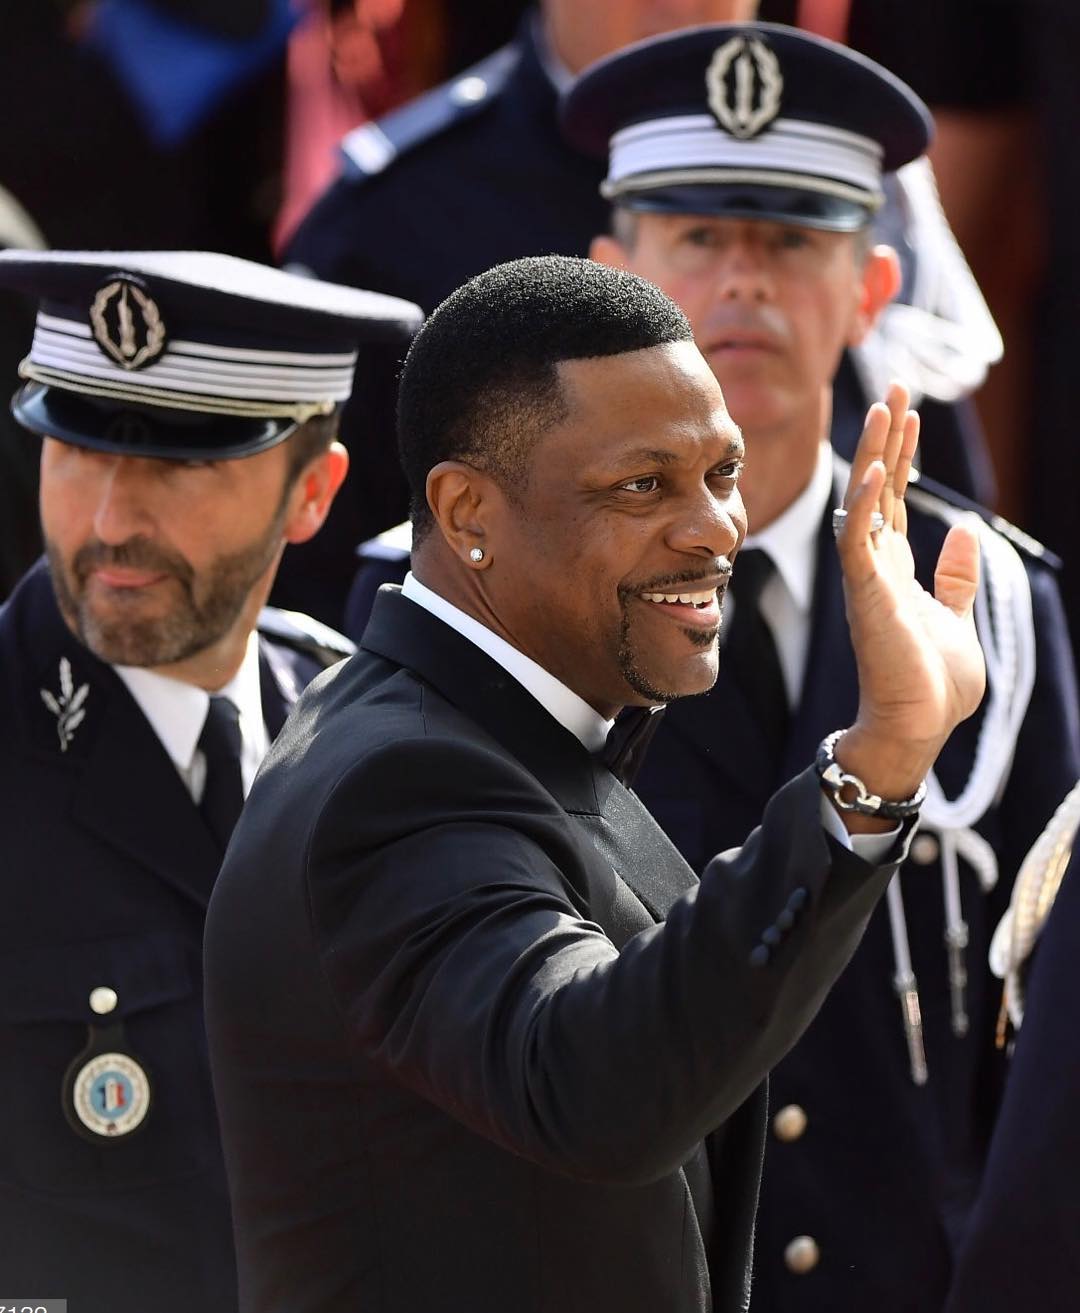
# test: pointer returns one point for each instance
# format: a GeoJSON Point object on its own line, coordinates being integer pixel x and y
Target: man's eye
{"type": "Point", "coordinates": [645, 483]}
{"type": "Point", "coordinates": [729, 471]}
{"type": "Point", "coordinates": [793, 239]}
{"type": "Point", "coordinates": [699, 237]}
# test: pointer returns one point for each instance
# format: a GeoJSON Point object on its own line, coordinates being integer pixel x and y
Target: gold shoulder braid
{"type": "Point", "coordinates": [1033, 896]}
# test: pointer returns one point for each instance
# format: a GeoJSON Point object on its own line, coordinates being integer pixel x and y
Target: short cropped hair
{"type": "Point", "coordinates": [480, 382]}
{"type": "Point", "coordinates": [309, 440]}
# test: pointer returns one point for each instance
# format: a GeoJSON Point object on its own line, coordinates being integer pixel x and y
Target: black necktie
{"type": "Point", "coordinates": [750, 652]}
{"type": "Point", "coordinates": [223, 792]}
{"type": "Point", "coordinates": [627, 740]}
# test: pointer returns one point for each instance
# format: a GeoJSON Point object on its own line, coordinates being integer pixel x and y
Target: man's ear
{"type": "Point", "coordinates": [465, 503]}
{"type": "Point", "coordinates": [315, 490]}
{"type": "Point", "coordinates": [879, 285]}
{"type": "Point", "coordinates": [607, 250]}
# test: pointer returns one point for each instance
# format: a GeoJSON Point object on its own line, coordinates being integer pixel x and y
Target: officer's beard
{"type": "Point", "coordinates": [168, 621]}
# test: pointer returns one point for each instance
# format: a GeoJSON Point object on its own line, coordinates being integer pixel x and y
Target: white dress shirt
{"type": "Point", "coordinates": [791, 543]}
{"type": "Point", "coordinates": [177, 711]}
{"type": "Point", "coordinates": [575, 714]}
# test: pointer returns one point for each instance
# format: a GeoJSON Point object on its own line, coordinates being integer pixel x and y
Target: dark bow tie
{"type": "Point", "coordinates": [628, 739]}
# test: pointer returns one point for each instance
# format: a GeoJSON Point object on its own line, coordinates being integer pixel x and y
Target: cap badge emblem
{"type": "Point", "coordinates": [744, 85]}
{"type": "Point", "coordinates": [70, 707]}
{"type": "Point", "coordinates": [127, 324]}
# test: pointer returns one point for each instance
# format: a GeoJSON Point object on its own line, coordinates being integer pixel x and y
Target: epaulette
{"type": "Point", "coordinates": [925, 493]}
{"type": "Point", "coordinates": [391, 545]}
{"type": "Point", "coordinates": [304, 635]}
{"type": "Point", "coordinates": [370, 148]}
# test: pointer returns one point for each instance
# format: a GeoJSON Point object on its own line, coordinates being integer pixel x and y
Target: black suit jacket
{"type": "Point", "coordinates": [459, 1063]}
{"type": "Point", "coordinates": [884, 1176]}
{"type": "Point", "coordinates": [107, 870]}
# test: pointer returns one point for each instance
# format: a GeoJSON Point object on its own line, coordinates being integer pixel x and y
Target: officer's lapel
{"type": "Point", "coordinates": [131, 796]}
{"type": "Point", "coordinates": [280, 684]}
{"type": "Point", "coordinates": [829, 697]}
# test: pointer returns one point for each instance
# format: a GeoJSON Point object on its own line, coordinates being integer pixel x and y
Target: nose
{"type": "Point", "coordinates": [122, 509]}
{"type": "Point", "coordinates": [708, 526]}
{"type": "Point", "coordinates": [742, 275]}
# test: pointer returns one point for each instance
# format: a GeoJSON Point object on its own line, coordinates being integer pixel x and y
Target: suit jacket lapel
{"type": "Point", "coordinates": [407, 635]}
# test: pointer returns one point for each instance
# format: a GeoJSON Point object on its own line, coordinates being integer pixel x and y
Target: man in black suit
{"type": "Point", "coordinates": [186, 406]}
{"type": "Point", "coordinates": [480, 1038]}
{"type": "Point", "coordinates": [890, 1097]}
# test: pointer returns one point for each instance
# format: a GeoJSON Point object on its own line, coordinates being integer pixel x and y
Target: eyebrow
{"type": "Point", "coordinates": [660, 456]}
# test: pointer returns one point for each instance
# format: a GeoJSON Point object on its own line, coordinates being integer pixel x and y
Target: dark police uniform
{"type": "Point", "coordinates": [474, 173]}
{"type": "Point", "coordinates": [112, 1190]}
{"type": "Point", "coordinates": [869, 1177]}
{"type": "Point", "coordinates": [109, 869]}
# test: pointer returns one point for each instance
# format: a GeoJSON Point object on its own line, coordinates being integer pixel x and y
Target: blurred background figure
{"type": "Point", "coordinates": [20, 535]}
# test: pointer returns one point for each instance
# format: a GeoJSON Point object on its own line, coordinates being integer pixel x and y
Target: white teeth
{"type": "Point", "coordinates": [687, 599]}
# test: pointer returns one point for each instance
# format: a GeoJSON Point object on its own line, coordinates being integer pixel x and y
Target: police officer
{"type": "Point", "coordinates": [186, 404]}
{"type": "Point", "coordinates": [745, 165]}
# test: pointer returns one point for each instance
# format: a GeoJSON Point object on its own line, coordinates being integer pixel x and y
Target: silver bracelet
{"type": "Point", "coordinates": [838, 782]}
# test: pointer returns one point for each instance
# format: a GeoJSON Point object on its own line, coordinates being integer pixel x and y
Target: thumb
{"type": "Point", "coordinates": [956, 577]}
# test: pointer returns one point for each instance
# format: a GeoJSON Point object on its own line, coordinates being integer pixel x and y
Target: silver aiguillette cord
{"type": "Point", "coordinates": [905, 984]}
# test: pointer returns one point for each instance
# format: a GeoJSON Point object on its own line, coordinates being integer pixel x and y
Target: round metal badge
{"type": "Point", "coordinates": [110, 1095]}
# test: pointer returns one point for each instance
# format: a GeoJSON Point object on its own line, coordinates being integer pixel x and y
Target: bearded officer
{"type": "Point", "coordinates": [745, 166]}
{"type": "Point", "coordinates": [187, 405]}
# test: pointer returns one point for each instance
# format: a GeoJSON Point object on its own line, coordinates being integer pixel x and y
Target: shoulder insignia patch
{"type": "Point", "coordinates": [305, 635]}
{"type": "Point", "coordinates": [372, 147]}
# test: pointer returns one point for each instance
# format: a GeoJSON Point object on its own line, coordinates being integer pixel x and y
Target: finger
{"type": "Point", "coordinates": [912, 427]}
{"type": "Point", "coordinates": [871, 446]}
{"type": "Point", "coordinates": [854, 544]}
{"type": "Point", "coordinates": [956, 578]}
{"type": "Point", "coordinates": [896, 400]}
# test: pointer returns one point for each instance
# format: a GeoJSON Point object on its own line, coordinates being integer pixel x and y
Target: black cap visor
{"type": "Point", "coordinates": [789, 205]}
{"type": "Point", "coordinates": [132, 429]}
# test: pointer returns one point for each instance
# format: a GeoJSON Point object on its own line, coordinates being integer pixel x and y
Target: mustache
{"type": "Point", "coordinates": [764, 319]}
{"type": "Point", "coordinates": [135, 554]}
{"type": "Point", "coordinates": [663, 583]}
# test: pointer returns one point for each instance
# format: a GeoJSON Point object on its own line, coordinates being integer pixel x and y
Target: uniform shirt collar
{"type": "Point", "coordinates": [176, 710]}
{"type": "Point", "coordinates": [791, 539]}
{"type": "Point", "coordinates": [571, 711]}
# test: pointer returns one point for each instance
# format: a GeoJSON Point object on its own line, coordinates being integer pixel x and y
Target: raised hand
{"type": "Point", "coordinates": [921, 669]}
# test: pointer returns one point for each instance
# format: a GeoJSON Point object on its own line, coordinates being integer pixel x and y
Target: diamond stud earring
{"type": "Point", "coordinates": [476, 554]}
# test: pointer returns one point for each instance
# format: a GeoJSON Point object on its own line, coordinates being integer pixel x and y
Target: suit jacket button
{"type": "Point", "coordinates": [924, 849]}
{"type": "Point", "coordinates": [790, 1123]}
{"type": "Point", "coordinates": [786, 919]}
{"type": "Point", "coordinates": [771, 936]}
{"type": "Point", "coordinates": [760, 956]}
{"type": "Point", "coordinates": [802, 1255]}
{"type": "Point", "coordinates": [797, 900]}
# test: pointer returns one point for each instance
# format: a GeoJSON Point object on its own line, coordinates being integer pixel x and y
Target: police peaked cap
{"type": "Point", "coordinates": [751, 120]}
{"type": "Point", "coordinates": [187, 355]}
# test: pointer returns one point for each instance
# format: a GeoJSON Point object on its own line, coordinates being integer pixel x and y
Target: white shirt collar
{"type": "Point", "coordinates": [176, 710]}
{"type": "Point", "coordinates": [791, 539]}
{"type": "Point", "coordinates": [571, 711]}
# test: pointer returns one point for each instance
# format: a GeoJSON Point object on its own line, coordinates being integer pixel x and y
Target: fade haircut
{"type": "Point", "coordinates": [480, 382]}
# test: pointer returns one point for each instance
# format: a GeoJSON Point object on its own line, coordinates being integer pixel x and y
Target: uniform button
{"type": "Point", "coordinates": [790, 1123]}
{"type": "Point", "coordinates": [771, 936]}
{"type": "Point", "coordinates": [469, 91]}
{"type": "Point", "coordinates": [786, 919]}
{"type": "Point", "coordinates": [103, 1000]}
{"type": "Point", "coordinates": [802, 1255]}
{"type": "Point", "coordinates": [924, 849]}
{"type": "Point", "coordinates": [797, 899]}
{"type": "Point", "coordinates": [760, 956]}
